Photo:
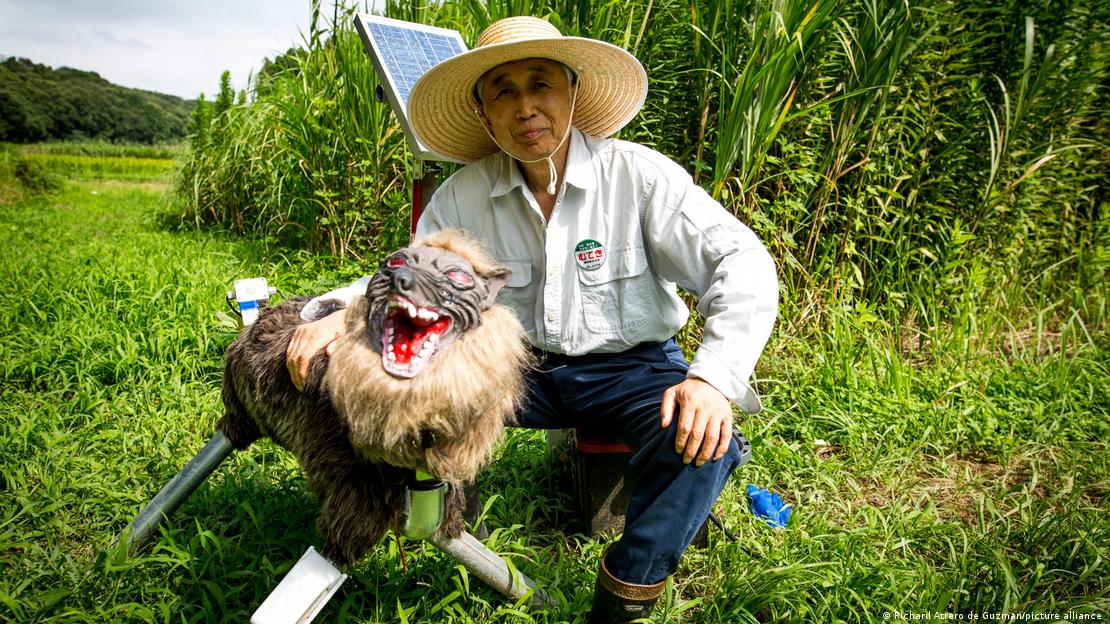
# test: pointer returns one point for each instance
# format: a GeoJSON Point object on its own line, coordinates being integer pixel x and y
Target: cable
{"type": "Point", "coordinates": [732, 537]}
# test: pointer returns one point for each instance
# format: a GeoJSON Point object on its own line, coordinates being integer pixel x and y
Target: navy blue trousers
{"type": "Point", "coordinates": [621, 394]}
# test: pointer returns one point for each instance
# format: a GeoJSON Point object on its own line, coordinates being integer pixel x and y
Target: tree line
{"type": "Point", "coordinates": [39, 103]}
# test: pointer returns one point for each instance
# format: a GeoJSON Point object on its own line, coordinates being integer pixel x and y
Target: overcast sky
{"type": "Point", "coordinates": [170, 46]}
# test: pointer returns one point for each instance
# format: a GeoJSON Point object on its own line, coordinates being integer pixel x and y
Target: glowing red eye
{"type": "Point", "coordinates": [461, 278]}
{"type": "Point", "coordinates": [396, 262]}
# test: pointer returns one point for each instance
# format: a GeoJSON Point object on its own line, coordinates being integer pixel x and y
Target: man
{"type": "Point", "coordinates": [597, 233]}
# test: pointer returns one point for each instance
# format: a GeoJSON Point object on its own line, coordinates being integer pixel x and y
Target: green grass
{"type": "Point", "coordinates": [951, 472]}
{"type": "Point", "coordinates": [103, 148]}
{"type": "Point", "coordinates": [103, 167]}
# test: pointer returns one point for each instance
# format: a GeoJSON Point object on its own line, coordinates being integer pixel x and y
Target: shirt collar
{"type": "Point", "coordinates": [578, 173]}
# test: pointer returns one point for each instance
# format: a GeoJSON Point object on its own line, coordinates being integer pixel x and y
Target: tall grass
{"type": "Point", "coordinates": [758, 92]}
{"type": "Point", "coordinates": [314, 162]}
{"type": "Point", "coordinates": [888, 151]}
{"type": "Point", "coordinates": [345, 150]}
{"type": "Point", "coordinates": [899, 170]}
{"type": "Point", "coordinates": [20, 177]}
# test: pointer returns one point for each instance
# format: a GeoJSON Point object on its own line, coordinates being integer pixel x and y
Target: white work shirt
{"type": "Point", "coordinates": [599, 277]}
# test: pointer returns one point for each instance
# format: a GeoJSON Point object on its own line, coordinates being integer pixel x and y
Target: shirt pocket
{"type": "Point", "coordinates": [519, 293]}
{"type": "Point", "coordinates": [616, 297]}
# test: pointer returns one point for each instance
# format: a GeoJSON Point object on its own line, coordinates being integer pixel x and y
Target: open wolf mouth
{"type": "Point", "coordinates": [410, 335]}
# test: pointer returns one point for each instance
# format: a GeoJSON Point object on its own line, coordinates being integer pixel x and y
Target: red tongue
{"type": "Point", "coordinates": [408, 338]}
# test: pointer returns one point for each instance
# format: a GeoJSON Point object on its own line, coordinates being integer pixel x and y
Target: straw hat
{"type": "Point", "coordinates": [612, 85]}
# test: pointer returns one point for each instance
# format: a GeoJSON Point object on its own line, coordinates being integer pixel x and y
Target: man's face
{"type": "Point", "coordinates": [526, 106]}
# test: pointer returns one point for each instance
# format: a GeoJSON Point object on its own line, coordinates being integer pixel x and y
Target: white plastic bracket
{"type": "Point", "coordinates": [248, 294]}
{"type": "Point", "coordinates": [302, 594]}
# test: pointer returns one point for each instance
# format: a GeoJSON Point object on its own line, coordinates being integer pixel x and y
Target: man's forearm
{"type": "Point", "coordinates": [331, 301]}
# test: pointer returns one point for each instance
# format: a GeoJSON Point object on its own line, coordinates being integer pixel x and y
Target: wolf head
{"type": "Point", "coordinates": [430, 368]}
{"type": "Point", "coordinates": [421, 299]}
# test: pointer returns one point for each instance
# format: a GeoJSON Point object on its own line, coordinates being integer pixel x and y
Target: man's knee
{"type": "Point", "coordinates": [722, 468]}
{"type": "Point", "coordinates": [732, 455]}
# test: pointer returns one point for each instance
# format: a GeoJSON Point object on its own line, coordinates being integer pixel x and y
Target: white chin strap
{"type": "Point", "coordinates": [550, 163]}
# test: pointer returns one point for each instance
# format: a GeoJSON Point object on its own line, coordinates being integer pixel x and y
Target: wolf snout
{"type": "Point", "coordinates": [403, 280]}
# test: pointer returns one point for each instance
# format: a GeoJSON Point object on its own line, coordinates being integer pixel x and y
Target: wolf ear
{"type": "Point", "coordinates": [495, 281]}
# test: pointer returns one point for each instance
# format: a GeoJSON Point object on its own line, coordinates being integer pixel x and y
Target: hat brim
{"type": "Point", "coordinates": [612, 86]}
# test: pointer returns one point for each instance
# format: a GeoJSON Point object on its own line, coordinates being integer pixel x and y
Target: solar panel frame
{"type": "Point", "coordinates": [401, 52]}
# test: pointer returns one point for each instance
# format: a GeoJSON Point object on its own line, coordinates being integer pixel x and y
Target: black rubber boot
{"type": "Point", "coordinates": [616, 601]}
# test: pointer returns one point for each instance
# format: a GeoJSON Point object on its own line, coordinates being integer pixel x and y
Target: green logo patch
{"type": "Point", "coordinates": [589, 254]}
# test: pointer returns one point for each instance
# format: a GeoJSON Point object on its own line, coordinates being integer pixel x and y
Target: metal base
{"type": "Point", "coordinates": [311, 583]}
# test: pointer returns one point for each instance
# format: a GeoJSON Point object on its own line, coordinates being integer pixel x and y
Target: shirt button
{"type": "Point", "coordinates": [550, 317]}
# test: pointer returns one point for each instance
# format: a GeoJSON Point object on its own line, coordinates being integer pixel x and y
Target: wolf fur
{"type": "Point", "coordinates": [358, 431]}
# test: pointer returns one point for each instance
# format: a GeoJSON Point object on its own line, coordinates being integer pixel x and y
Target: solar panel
{"type": "Point", "coordinates": [402, 52]}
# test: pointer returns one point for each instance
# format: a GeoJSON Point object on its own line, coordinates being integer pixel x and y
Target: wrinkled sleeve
{"type": "Point", "coordinates": [697, 244]}
{"type": "Point", "coordinates": [441, 212]}
{"type": "Point", "coordinates": [334, 300]}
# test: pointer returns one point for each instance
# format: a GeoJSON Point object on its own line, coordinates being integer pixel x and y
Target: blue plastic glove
{"type": "Point", "coordinates": [768, 505]}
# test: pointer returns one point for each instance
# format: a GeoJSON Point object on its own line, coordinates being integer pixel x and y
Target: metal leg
{"type": "Point", "coordinates": [424, 514]}
{"type": "Point", "coordinates": [426, 505]}
{"type": "Point", "coordinates": [491, 568]}
{"type": "Point", "coordinates": [176, 491]}
{"type": "Point", "coordinates": [311, 583]}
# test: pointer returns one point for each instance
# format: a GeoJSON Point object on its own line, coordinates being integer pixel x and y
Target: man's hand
{"type": "Point", "coordinates": [309, 339]}
{"type": "Point", "coordinates": [704, 420]}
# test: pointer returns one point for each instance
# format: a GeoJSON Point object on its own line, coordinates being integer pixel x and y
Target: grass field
{"type": "Point", "coordinates": [956, 473]}
{"type": "Point", "coordinates": [163, 151]}
{"type": "Point", "coordinates": [102, 167]}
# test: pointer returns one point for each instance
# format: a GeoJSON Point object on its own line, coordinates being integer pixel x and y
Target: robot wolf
{"type": "Point", "coordinates": [425, 378]}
